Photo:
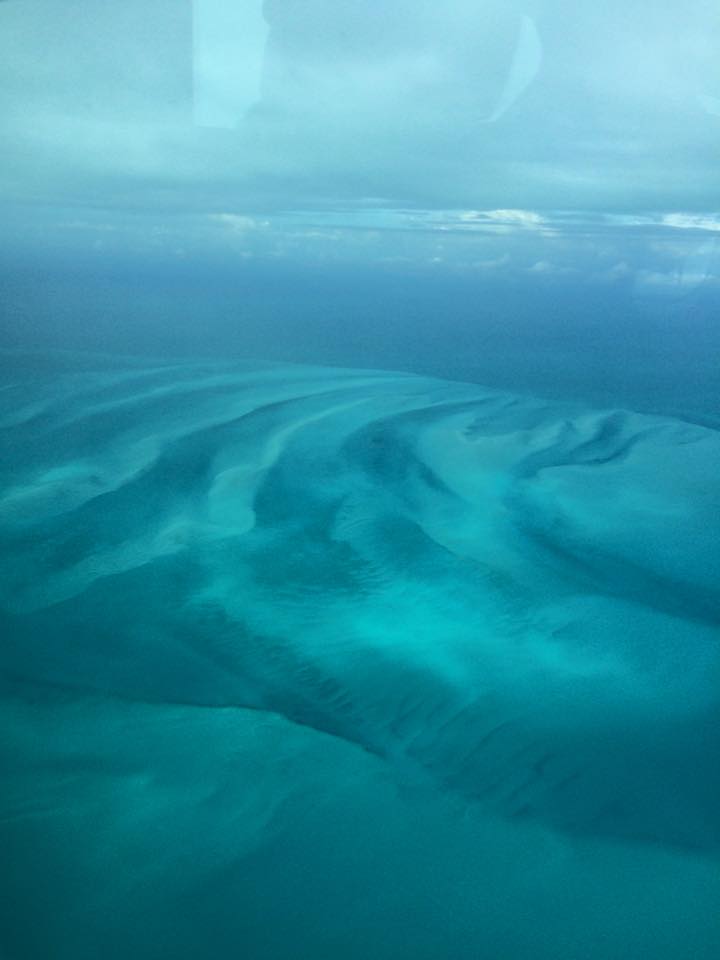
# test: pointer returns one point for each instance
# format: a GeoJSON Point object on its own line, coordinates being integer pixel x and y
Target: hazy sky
{"type": "Point", "coordinates": [465, 103]}
{"type": "Point", "coordinates": [499, 135]}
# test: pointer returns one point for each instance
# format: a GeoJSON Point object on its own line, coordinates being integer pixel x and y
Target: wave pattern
{"type": "Point", "coordinates": [514, 601]}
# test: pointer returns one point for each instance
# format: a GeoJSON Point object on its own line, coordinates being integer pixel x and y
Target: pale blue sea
{"type": "Point", "coordinates": [412, 656]}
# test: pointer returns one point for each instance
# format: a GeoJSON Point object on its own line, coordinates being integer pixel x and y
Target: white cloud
{"type": "Point", "coordinates": [548, 268]}
{"type": "Point", "coordinates": [692, 221]}
{"type": "Point", "coordinates": [674, 280]}
{"type": "Point", "coordinates": [619, 271]}
{"type": "Point", "coordinates": [347, 106]}
{"type": "Point", "coordinates": [676, 220]}
{"type": "Point", "coordinates": [514, 218]}
{"type": "Point", "coordinates": [239, 223]}
{"type": "Point", "coordinates": [492, 264]}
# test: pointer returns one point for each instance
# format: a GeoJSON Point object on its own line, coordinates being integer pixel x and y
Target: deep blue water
{"type": "Point", "coordinates": [354, 613]}
{"type": "Point", "coordinates": [569, 339]}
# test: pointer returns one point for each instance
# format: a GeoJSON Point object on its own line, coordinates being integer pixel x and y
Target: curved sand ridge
{"type": "Point", "coordinates": [513, 600]}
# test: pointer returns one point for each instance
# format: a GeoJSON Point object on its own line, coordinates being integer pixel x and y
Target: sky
{"type": "Point", "coordinates": [527, 140]}
{"type": "Point", "coordinates": [233, 105]}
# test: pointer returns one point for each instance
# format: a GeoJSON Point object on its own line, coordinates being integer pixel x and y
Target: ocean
{"type": "Point", "coordinates": [416, 656]}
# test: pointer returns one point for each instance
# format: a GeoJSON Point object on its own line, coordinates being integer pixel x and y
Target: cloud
{"type": "Point", "coordinates": [677, 220]}
{"type": "Point", "coordinates": [326, 110]}
{"type": "Point", "coordinates": [690, 221]}
{"type": "Point", "coordinates": [238, 223]}
{"type": "Point", "coordinates": [512, 218]}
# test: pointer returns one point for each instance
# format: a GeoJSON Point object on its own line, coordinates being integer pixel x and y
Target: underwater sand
{"type": "Point", "coordinates": [302, 662]}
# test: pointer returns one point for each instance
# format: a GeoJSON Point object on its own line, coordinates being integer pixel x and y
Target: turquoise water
{"type": "Point", "coordinates": [317, 662]}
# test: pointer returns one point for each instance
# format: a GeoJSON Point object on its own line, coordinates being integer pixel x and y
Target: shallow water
{"type": "Point", "coordinates": [318, 662]}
